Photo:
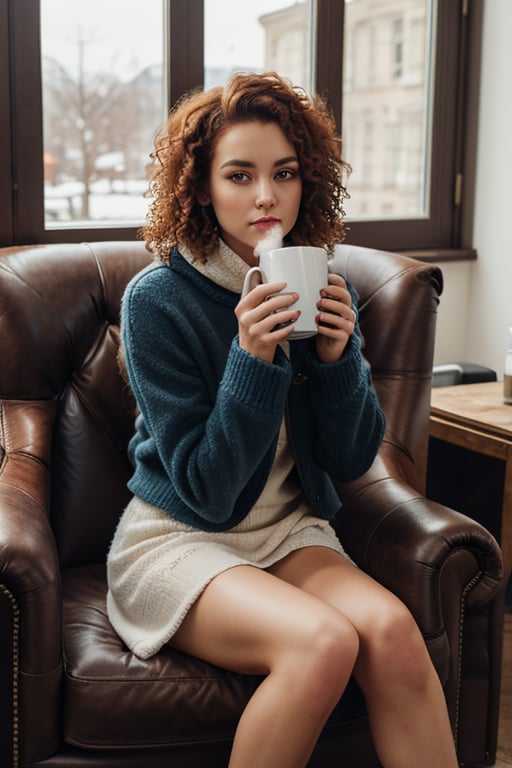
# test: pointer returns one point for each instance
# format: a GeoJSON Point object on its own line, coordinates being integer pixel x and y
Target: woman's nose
{"type": "Point", "coordinates": [265, 196]}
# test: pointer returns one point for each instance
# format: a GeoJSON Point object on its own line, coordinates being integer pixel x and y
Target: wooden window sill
{"type": "Point", "coordinates": [437, 255]}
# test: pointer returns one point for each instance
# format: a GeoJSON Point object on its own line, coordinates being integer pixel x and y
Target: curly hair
{"type": "Point", "coordinates": [183, 151]}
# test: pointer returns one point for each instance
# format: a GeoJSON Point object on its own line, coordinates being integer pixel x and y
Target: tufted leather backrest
{"type": "Point", "coordinates": [59, 332]}
{"type": "Point", "coordinates": [398, 300]}
{"type": "Point", "coordinates": [70, 410]}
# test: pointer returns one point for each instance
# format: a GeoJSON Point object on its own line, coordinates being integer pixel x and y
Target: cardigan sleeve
{"type": "Point", "coordinates": [348, 422]}
{"type": "Point", "coordinates": [210, 419]}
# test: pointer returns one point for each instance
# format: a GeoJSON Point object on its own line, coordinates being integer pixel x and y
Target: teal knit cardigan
{"type": "Point", "coordinates": [210, 412]}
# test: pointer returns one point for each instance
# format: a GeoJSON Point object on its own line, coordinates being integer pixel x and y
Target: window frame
{"type": "Point", "coordinates": [440, 230]}
{"type": "Point", "coordinates": [26, 184]}
{"type": "Point", "coordinates": [21, 155]}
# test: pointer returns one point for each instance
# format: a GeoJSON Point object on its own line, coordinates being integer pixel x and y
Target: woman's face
{"type": "Point", "coordinates": [254, 185]}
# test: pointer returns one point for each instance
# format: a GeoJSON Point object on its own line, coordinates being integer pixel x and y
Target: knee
{"type": "Point", "coordinates": [397, 649]}
{"type": "Point", "coordinates": [326, 653]}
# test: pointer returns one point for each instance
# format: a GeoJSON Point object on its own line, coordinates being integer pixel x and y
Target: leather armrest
{"type": "Point", "coordinates": [30, 574]}
{"type": "Point", "coordinates": [448, 570]}
{"type": "Point", "coordinates": [409, 543]}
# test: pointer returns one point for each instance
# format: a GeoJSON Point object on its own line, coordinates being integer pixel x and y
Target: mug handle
{"type": "Point", "coordinates": [247, 280]}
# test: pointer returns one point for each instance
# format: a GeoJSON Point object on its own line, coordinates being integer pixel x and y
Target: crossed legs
{"type": "Point", "coordinates": [307, 625]}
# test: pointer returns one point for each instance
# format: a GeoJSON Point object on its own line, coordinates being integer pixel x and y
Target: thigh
{"type": "Point", "coordinates": [331, 577]}
{"type": "Point", "coordinates": [246, 617]}
{"type": "Point", "coordinates": [392, 650]}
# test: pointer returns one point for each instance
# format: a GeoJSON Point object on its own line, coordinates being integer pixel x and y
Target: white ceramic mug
{"type": "Point", "coordinates": [304, 269]}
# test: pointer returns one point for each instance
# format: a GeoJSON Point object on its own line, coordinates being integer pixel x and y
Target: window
{"type": "Point", "coordinates": [97, 142]}
{"type": "Point", "coordinates": [103, 98]}
{"type": "Point", "coordinates": [276, 35]}
{"type": "Point", "coordinates": [393, 72]}
{"type": "Point", "coordinates": [406, 62]}
{"type": "Point", "coordinates": [390, 150]}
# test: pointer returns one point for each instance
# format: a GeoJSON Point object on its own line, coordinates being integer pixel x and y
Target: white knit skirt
{"type": "Point", "coordinates": [158, 566]}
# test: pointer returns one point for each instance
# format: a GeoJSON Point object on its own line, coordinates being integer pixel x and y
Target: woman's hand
{"type": "Point", "coordinates": [260, 329]}
{"type": "Point", "coordinates": [335, 320]}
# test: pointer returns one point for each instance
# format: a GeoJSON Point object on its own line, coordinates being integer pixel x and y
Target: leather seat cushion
{"type": "Point", "coordinates": [115, 700]}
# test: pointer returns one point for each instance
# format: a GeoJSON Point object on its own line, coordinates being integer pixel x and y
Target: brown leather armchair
{"type": "Point", "coordinates": [72, 695]}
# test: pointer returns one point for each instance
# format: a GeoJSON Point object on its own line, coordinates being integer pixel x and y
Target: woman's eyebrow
{"type": "Point", "coordinates": [289, 159]}
{"type": "Point", "coordinates": [250, 164]}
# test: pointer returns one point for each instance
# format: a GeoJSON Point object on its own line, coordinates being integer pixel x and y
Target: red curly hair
{"type": "Point", "coordinates": [184, 148]}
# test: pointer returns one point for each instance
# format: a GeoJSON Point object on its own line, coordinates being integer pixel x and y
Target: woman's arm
{"type": "Point", "coordinates": [348, 421]}
{"type": "Point", "coordinates": [211, 416]}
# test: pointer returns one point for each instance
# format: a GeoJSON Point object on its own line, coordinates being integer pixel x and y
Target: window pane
{"type": "Point", "coordinates": [102, 63]}
{"type": "Point", "coordinates": [258, 36]}
{"type": "Point", "coordinates": [387, 92]}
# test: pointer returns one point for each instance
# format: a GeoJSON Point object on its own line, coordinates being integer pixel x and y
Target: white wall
{"type": "Point", "coordinates": [452, 316]}
{"type": "Point", "coordinates": [476, 307]}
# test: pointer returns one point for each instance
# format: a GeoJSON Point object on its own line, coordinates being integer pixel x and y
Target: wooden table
{"type": "Point", "coordinates": [474, 416]}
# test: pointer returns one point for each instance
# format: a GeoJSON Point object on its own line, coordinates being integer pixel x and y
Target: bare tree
{"type": "Point", "coordinates": [89, 114]}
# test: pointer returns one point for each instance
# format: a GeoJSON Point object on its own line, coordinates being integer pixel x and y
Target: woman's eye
{"type": "Point", "coordinates": [239, 176]}
{"type": "Point", "coordinates": [285, 174]}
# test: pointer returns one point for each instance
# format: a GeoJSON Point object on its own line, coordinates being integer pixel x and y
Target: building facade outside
{"type": "Point", "coordinates": [386, 78]}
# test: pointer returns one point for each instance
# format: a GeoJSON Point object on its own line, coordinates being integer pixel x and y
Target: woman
{"type": "Point", "coordinates": [226, 550]}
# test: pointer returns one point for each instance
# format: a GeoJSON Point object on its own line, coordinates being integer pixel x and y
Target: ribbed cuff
{"type": "Point", "coordinates": [252, 381]}
{"type": "Point", "coordinates": [341, 379]}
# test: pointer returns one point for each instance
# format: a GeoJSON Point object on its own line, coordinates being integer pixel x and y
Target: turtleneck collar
{"type": "Point", "coordinates": [225, 267]}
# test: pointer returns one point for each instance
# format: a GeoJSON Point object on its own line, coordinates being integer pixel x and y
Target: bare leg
{"type": "Point", "coordinates": [249, 621]}
{"type": "Point", "coordinates": [404, 697]}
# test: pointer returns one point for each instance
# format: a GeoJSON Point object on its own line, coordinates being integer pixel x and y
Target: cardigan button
{"type": "Point", "coordinates": [299, 378]}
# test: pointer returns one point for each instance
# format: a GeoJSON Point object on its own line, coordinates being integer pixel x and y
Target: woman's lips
{"type": "Point", "coordinates": [265, 223]}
